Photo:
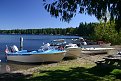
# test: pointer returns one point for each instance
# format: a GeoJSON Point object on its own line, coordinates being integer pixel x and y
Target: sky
{"type": "Point", "coordinates": [30, 14]}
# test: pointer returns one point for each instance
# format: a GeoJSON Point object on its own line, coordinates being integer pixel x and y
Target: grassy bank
{"type": "Point", "coordinates": [81, 69]}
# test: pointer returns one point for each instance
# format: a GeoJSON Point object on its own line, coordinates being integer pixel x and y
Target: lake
{"type": "Point", "coordinates": [31, 42]}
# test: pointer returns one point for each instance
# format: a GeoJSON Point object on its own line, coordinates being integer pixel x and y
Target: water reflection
{"type": "Point", "coordinates": [3, 58]}
{"type": "Point", "coordinates": [4, 68]}
{"type": "Point", "coordinates": [14, 66]}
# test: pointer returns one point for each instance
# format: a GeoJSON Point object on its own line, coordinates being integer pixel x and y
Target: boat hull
{"type": "Point", "coordinates": [33, 58]}
{"type": "Point", "coordinates": [97, 46]}
{"type": "Point", "coordinates": [95, 50]}
{"type": "Point", "coordinates": [73, 52]}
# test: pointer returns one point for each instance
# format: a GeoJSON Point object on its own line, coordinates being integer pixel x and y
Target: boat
{"type": "Point", "coordinates": [72, 51]}
{"type": "Point", "coordinates": [104, 45]}
{"type": "Point", "coordinates": [95, 50]}
{"type": "Point", "coordinates": [80, 41]}
{"type": "Point", "coordinates": [58, 42]}
{"type": "Point", "coordinates": [41, 55]}
{"type": "Point", "coordinates": [83, 44]}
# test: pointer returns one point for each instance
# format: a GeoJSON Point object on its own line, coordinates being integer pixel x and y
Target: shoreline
{"type": "Point", "coordinates": [22, 67]}
{"type": "Point", "coordinates": [84, 60]}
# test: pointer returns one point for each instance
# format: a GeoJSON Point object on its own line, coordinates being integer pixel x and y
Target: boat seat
{"type": "Point", "coordinates": [46, 46]}
{"type": "Point", "coordinates": [14, 48]}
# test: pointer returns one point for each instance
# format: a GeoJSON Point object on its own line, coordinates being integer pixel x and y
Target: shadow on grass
{"type": "Point", "coordinates": [78, 74]}
{"type": "Point", "coordinates": [96, 73]}
{"type": "Point", "coordinates": [14, 77]}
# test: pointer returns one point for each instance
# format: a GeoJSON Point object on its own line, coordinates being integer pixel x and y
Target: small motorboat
{"type": "Point", "coordinates": [95, 50]}
{"type": "Point", "coordinates": [72, 51]}
{"type": "Point", "coordinates": [83, 44]}
{"type": "Point", "coordinates": [41, 55]}
{"type": "Point", "coordinates": [58, 42]}
{"type": "Point", "coordinates": [80, 41]}
{"type": "Point", "coordinates": [105, 45]}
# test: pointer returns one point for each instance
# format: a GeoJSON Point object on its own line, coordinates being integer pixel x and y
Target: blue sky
{"type": "Point", "coordinates": [30, 14]}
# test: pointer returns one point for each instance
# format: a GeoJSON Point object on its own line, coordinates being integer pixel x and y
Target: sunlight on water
{"type": "Point", "coordinates": [31, 42]}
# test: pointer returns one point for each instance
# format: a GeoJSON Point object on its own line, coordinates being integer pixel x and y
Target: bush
{"type": "Point", "coordinates": [107, 33]}
{"type": "Point", "coordinates": [117, 73]}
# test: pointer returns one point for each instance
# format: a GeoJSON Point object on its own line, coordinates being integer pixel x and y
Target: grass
{"type": "Point", "coordinates": [68, 71]}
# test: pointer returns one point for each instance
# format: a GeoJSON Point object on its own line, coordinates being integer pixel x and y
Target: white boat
{"type": "Point", "coordinates": [80, 41]}
{"type": "Point", "coordinates": [58, 42]}
{"type": "Point", "coordinates": [105, 45]}
{"type": "Point", "coordinates": [83, 44]}
{"type": "Point", "coordinates": [50, 55]}
{"type": "Point", "coordinates": [95, 50]}
{"type": "Point", "coordinates": [72, 51]}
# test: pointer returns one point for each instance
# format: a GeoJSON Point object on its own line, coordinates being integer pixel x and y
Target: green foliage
{"type": "Point", "coordinates": [85, 29]}
{"type": "Point", "coordinates": [116, 72]}
{"type": "Point", "coordinates": [67, 9]}
{"type": "Point", "coordinates": [53, 31]}
{"type": "Point", "coordinates": [107, 32]}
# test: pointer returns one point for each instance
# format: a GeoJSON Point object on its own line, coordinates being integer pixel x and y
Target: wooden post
{"type": "Point", "coordinates": [21, 43]}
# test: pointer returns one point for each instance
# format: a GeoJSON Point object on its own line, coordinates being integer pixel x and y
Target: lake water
{"type": "Point", "coordinates": [31, 42]}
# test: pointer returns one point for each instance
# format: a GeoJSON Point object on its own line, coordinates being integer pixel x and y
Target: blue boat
{"type": "Point", "coordinates": [41, 55]}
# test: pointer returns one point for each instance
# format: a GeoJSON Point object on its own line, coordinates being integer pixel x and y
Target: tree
{"type": "Point", "coordinates": [109, 34]}
{"type": "Point", "coordinates": [67, 9]}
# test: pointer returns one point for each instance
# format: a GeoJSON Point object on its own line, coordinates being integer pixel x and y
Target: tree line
{"type": "Point", "coordinates": [84, 29]}
{"type": "Point", "coordinates": [53, 31]}
{"type": "Point", "coordinates": [95, 31]}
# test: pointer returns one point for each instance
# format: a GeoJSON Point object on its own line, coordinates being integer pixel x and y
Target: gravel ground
{"type": "Point", "coordinates": [83, 60]}
{"type": "Point", "coordinates": [79, 62]}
